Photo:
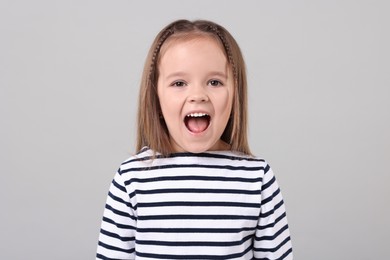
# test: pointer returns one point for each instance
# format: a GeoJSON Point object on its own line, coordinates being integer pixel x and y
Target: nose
{"type": "Point", "coordinates": [198, 95]}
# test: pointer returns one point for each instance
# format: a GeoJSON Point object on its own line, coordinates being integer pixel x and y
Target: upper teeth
{"type": "Point", "coordinates": [197, 114]}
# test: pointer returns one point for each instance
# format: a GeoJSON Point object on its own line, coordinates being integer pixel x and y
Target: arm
{"type": "Point", "coordinates": [272, 240]}
{"type": "Point", "coordinates": [117, 234]}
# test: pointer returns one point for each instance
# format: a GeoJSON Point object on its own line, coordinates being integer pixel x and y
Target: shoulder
{"type": "Point", "coordinates": [223, 159]}
{"type": "Point", "coordinates": [139, 160]}
{"type": "Point", "coordinates": [239, 158]}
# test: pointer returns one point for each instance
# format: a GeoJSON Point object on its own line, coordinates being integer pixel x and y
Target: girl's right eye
{"type": "Point", "coordinates": [178, 84]}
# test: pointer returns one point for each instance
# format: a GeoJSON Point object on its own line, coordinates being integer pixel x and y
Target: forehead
{"type": "Point", "coordinates": [189, 39]}
{"type": "Point", "coordinates": [196, 54]}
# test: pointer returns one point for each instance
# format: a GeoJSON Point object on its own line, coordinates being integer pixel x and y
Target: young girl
{"type": "Point", "coordinates": [194, 191]}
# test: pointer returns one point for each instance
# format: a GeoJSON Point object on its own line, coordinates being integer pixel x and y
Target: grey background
{"type": "Point", "coordinates": [319, 113]}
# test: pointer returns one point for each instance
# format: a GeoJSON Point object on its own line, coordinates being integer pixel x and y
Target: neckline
{"type": "Point", "coordinates": [151, 152]}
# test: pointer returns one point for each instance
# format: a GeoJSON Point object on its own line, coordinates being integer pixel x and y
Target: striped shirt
{"type": "Point", "coordinates": [212, 205]}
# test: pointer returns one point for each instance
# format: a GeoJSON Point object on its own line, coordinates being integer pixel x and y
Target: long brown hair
{"type": "Point", "coordinates": [152, 130]}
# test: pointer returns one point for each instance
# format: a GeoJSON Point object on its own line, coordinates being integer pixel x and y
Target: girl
{"type": "Point", "coordinates": [194, 191]}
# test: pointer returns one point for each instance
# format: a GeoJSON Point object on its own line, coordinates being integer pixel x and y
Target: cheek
{"type": "Point", "coordinates": [170, 106]}
{"type": "Point", "coordinates": [224, 103]}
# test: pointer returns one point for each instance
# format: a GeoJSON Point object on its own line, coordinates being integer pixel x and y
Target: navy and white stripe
{"type": "Point", "coordinates": [214, 205]}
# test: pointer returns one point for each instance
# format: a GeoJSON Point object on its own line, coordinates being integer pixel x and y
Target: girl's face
{"type": "Point", "coordinates": [195, 90]}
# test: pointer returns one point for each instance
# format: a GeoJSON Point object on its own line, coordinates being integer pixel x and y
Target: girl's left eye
{"type": "Point", "coordinates": [215, 83]}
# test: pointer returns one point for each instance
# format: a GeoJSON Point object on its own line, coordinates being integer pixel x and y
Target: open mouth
{"type": "Point", "coordinates": [197, 122]}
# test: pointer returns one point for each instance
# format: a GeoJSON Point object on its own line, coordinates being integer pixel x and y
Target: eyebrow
{"type": "Point", "coordinates": [176, 74]}
{"type": "Point", "coordinates": [219, 74]}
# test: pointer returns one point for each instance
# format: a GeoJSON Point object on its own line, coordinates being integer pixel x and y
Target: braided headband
{"type": "Point", "coordinates": [210, 28]}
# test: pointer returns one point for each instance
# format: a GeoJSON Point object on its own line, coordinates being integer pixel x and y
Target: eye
{"type": "Point", "coordinates": [215, 83]}
{"type": "Point", "coordinates": [178, 84]}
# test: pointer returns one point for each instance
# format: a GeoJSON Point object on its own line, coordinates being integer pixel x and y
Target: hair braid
{"type": "Point", "coordinates": [164, 35]}
{"type": "Point", "coordinates": [227, 48]}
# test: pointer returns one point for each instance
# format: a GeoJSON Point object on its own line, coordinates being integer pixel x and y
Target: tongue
{"type": "Point", "coordinates": [197, 124]}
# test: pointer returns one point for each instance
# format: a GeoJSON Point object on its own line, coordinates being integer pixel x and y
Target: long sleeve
{"type": "Point", "coordinates": [117, 234]}
{"type": "Point", "coordinates": [272, 240]}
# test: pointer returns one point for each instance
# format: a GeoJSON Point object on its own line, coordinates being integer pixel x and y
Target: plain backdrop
{"type": "Point", "coordinates": [319, 90]}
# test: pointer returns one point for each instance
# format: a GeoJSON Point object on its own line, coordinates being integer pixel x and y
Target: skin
{"type": "Point", "coordinates": [194, 77]}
